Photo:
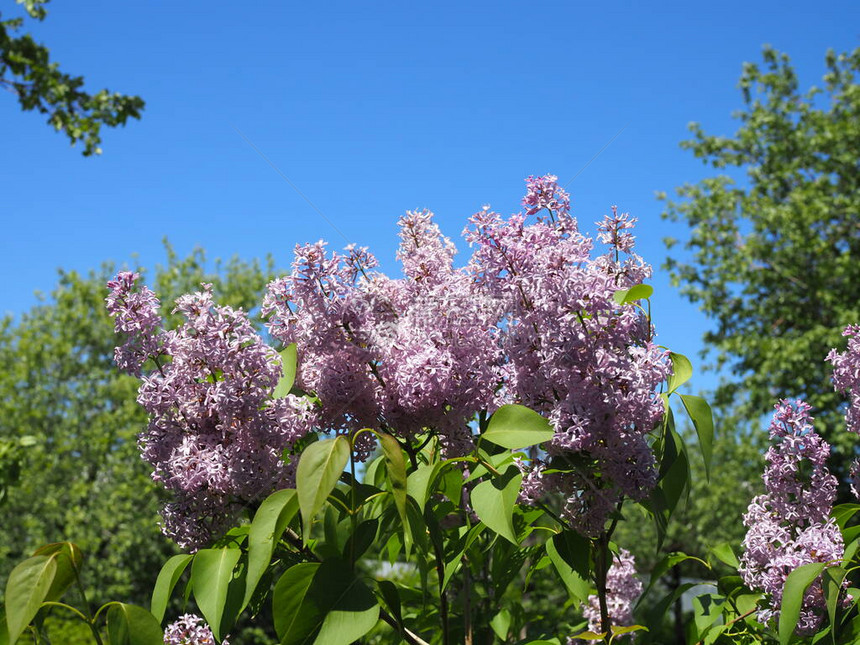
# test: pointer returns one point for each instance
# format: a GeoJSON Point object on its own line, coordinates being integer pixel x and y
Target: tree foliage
{"type": "Point", "coordinates": [27, 71]}
{"type": "Point", "coordinates": [774, 251]}
{"type": "Point", "coordinates": [80, 474]}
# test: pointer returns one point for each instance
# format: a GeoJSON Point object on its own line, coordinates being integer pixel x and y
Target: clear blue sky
{"type": "Point", "coordinates": [373, 108]}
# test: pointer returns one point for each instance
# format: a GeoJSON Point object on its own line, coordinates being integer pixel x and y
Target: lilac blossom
{"type": "Point", "coordinates": [190, 629]}
{"type": "Point", "coordinates": [214, 437]}
{"type": "Point", "coordinates": [531, 319]}
{"type": "Point", "coordinates": [401, 355]}
{"type": "Point", "coordinates": [622, 590]}
{"type": "Point", "coordinates": [136, 315]}
{"type": "Point", "coordinates": [788, 526]}
{"type": "Point", "coordinates": [846, 379]}
{"type": "Point", "coordinates": [572, 353]}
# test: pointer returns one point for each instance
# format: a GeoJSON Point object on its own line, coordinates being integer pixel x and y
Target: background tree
{"type": "Point", "coordinates": [774, 252]}
{"type": "Point", "coordinates": [81, 476]}
{"type": "Point", "coordinates": [27, 71]}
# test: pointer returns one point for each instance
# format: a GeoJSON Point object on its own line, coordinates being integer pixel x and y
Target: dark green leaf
{"type": "Point", "coordinates": [570, 555]}
{"type": "Point", "coordinates": [395, 467]}
{"type": "Point", "coordinates": [69, 560]}
{"type": "Point", "coordinates": [326, 602]}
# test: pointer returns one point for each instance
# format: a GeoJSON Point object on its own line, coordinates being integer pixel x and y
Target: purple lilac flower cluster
{"type": "Point", "coordinates": [571, 352]}
{"type": "Point", "coordinates": [215, 437]}
{"type": "Point", "coordinates": [788, 526]}
{"type": "Point", "coordinates": [622, 589]}
{"type": "Point", "coordinates": [530, 319]}
{"type": "Point", "coordinates": [190, 629]}
{"type": "Point", "coordinates": [846, 379]}
{"type": "Point", "coordinates": [400, 355]}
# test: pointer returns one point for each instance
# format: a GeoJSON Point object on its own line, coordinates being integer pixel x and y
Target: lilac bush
{"type": "Point", "coordinates": [789, 525]}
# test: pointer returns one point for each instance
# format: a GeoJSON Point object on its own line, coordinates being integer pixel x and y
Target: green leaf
{"type": "Point", "coordinates": [627, 629]}
{"type": "Point", "coordinates": [395, 467]}
{"type": "Point", "coordinates": [389, 593]}
{"type": "Point", "coordinates": [707, 609]}
{"type": "Point", "coordinates": [494, 501]}
{"type": "Point", "coordinates": [792, 597]}
{"type": "Point", "coordinates": [844, 512]}
{"type": "Point", "coordinates": [289, 362]}
{"type": "Point", "coordinates": [674, 469]}
{"type": "Point", "coordinates": [726, 555]}
{"type": "Point", "coordinates": [501, 623]}
{"type": "Point", "coordinates": [320, 467]}
{"type": "Point", "coordinates": [516, 426]}
{"type": "Point", "coordinates": [637, 292]}
{"type": "Point", "coordinates": [326, 602]}
{"type": "Point", "coordinates": [360, 541]}
{"type": "Point", "coordinates": [132, 625]}
{"type": "Point", "coordinates": [295, 617]}
{"type": "Point", "coordinates": [211, 574]}
{"type": "Point", "coordinates": [166, 582]}
{"type": "Point", "coordinates": [69, 560]}
{"type": "Point", "coordinates": [832, 580]}
{"type": "Point", "coordinates": [703, 419]}
{"type": "Point", "coordinates": [420, 482]}
{"type": "Point", "coordinates": [569, 553]}
{"type": "Point", "coordinates": [682, 371]}
{"type": "Point", "coordinates": [270, 520]}
{"type": "Point", "coordinates": [27, 588]}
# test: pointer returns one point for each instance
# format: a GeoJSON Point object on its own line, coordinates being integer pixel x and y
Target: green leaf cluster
{"type": "Point", "coordinates": [27, 70]}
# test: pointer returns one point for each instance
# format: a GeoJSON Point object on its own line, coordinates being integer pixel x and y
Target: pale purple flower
{"type": "Point", "coordinates": [545, 193]}
{"type": "Point", "coordinates": [572, 353]}
{"type": "Point", "coordinates": [846, 375]}
{"type": "Point", "coordinates": [215, 437]}
{"type": "Point", "coordinates": [402, 355]}
{"type": "Point", "coordinates": [135, 313]}
{"type": "Point", "coordinates": [788, 526]}
{"type": "Point", "coordinates": [622, 590]}
{"type": "Point", "coordinates": [190, 629]}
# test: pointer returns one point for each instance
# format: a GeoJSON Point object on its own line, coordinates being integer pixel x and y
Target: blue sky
{"type": "Point", "coordinates": [374, 108]}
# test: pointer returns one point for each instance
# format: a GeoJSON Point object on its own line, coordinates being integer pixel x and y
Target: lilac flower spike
{"type": "Point", "coordinates": [846, 379]}
{"type": "Point", "coordinates": [789, 526]}
{"type": "Point", "coordinates": [215, 437]}
{"type": "Point", "coordinates": [136, 315]}
{"type": "Point", "coordinates": [622, 590]}
{"type": "Point", "coordinates": [573, 354]}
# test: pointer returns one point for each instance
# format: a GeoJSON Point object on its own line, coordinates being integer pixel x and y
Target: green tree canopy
{"type": "Point", "coordinates": [26, 69]}
{"type": "Point", "coordinates": [773, 256]}
{"type": "Point", "coordinates": [81, 476]}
